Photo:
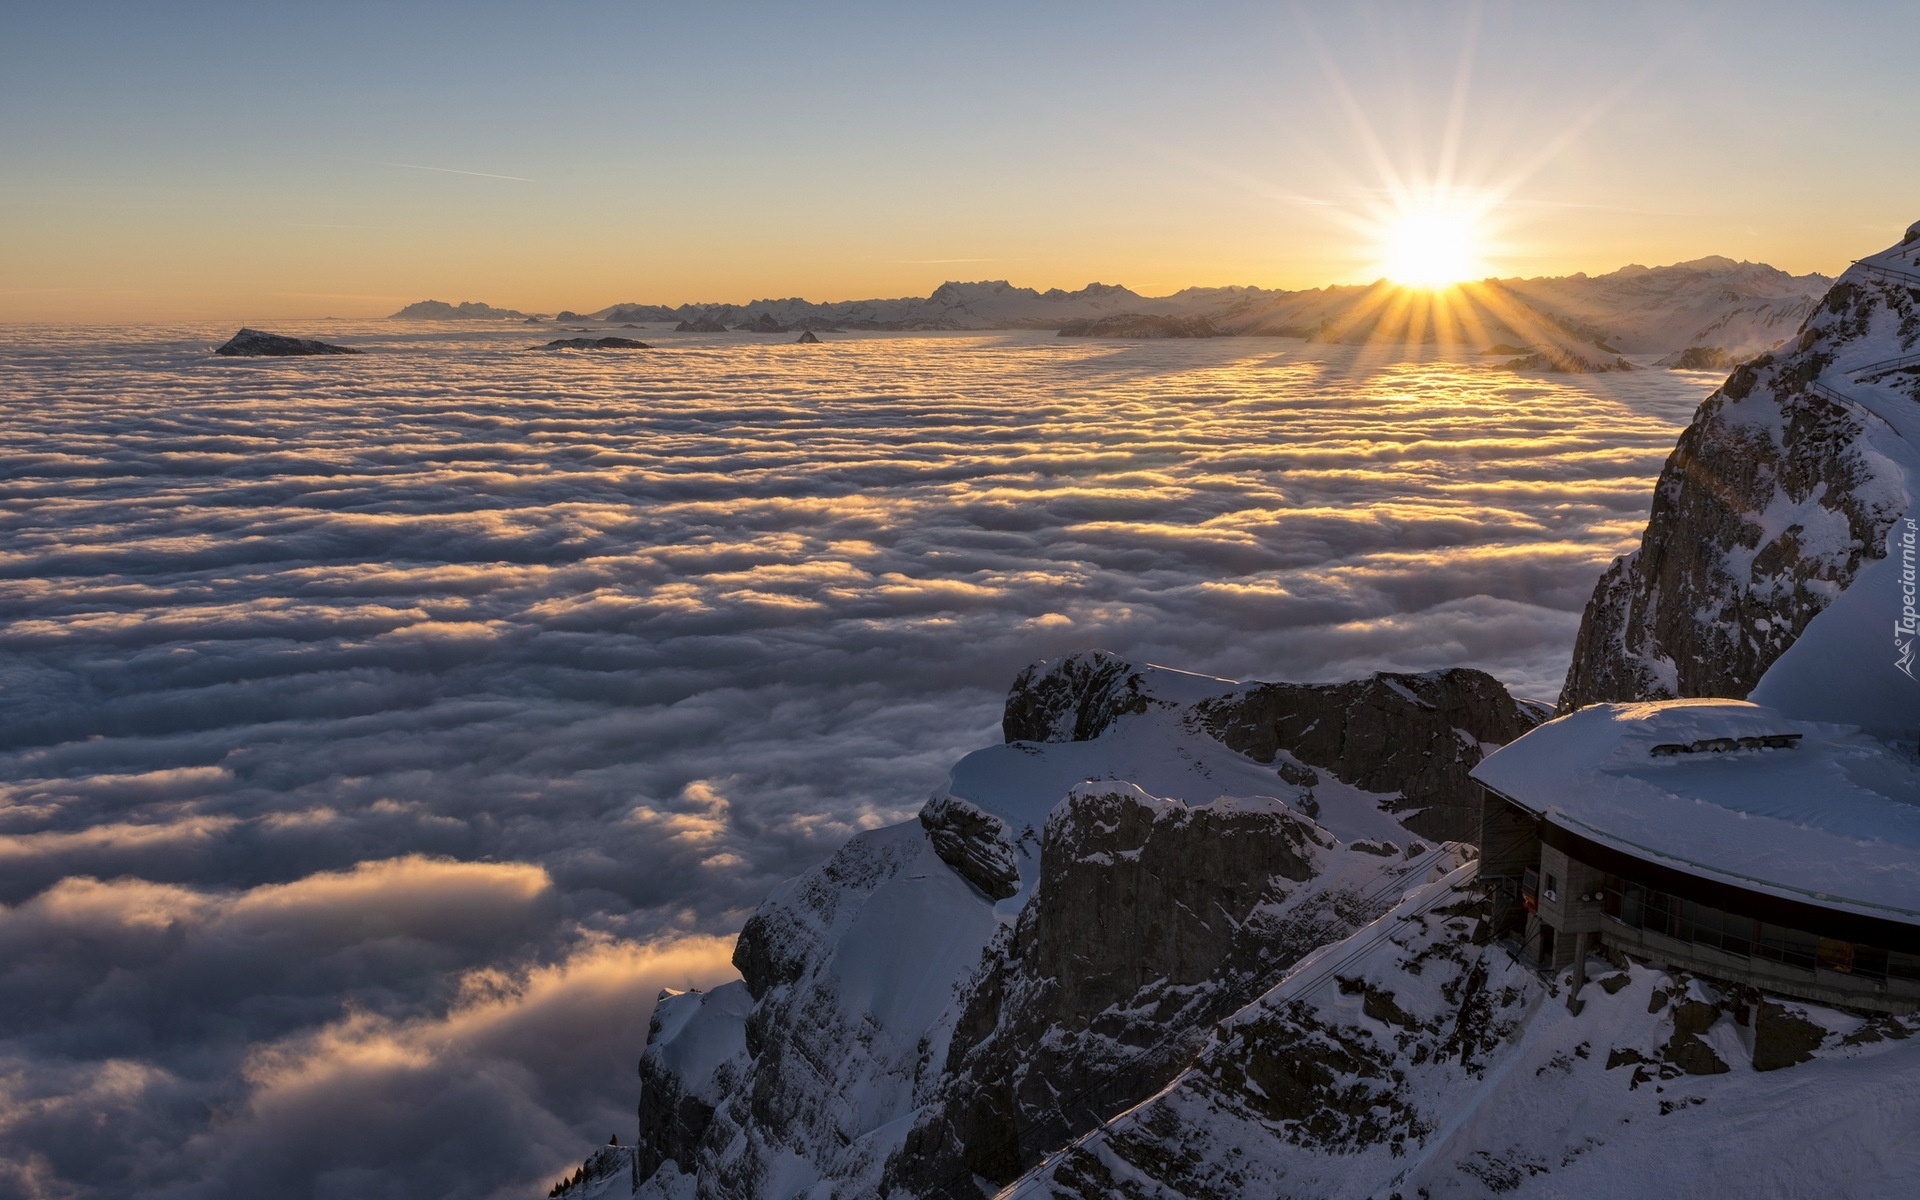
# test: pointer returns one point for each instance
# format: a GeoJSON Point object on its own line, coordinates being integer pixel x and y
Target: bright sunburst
{"type": "Point", "coordinates": [1431, 247]}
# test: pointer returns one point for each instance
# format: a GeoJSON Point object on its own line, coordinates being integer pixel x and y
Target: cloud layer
{"type": "Point", "coordinates": [377, 735]}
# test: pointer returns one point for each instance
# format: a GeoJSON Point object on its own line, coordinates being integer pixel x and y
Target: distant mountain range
{"type": "Point", "coordinates": [1731, 309]}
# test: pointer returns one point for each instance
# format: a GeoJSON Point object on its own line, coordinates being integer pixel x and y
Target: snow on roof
{"type": "Point", "coordinates": [1834, 819]}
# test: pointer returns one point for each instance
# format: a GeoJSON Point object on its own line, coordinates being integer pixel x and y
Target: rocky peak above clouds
{"type": "Point", "coordinates": [1736, 308]}
{"type": "Point", "coordinates": [1782, 488]}
{"type": "Point", "coordinates": [255, 343]}
{"type": "Point", "coordinates": [1114, 871]}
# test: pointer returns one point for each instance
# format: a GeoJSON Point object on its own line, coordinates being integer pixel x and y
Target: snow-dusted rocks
{"type": "Point", "coordinates": [1414, 1060]}
{"type": "Point", "coordinates": [1145, 949]}
{"type": "Point", "coordinates": [973, 842]}
{"type": "Point", "coordinates": [1151, 920]}
{"type": "Point", "coordinates": [1787, 481]}
{"type": "Point", "coordinates": [1412, 736]}
{"type": "Point", "coordinates": [696, 1052]}
{"type": "Point", "coordinates": [899, 990]}
{"type": "Point", "coordinates": [255, 343]}
{"type": "Point", "coordinates": [1073, 698]}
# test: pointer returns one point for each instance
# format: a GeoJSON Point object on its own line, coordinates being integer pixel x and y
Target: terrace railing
{"type": "Point", "coordinates": [1885, 365]}
{"type": "Point", "coordinates": [1907, 277]}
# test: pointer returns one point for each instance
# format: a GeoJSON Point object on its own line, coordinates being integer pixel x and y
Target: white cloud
{"type": "Point", "coordinates": [354, 715]}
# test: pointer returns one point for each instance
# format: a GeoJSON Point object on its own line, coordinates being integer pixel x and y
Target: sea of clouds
{"type": "Point", "coordinates": [378, 735]}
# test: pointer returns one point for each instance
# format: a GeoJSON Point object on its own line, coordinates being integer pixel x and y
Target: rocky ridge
{"type": "Point", "coordinates": [1741, 308]}
{"type": "Point", "coordinates": [1416, 1060]}
{"type": "Point", "coordinates": [884, 1027]}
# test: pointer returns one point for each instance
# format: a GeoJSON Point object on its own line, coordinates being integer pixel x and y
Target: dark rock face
{"type": "Point", "coordinates": [1699, 358]}
{"type": "Point", "coordinates": [1782, 1037]}
{"type": "Point", "coordinates": [1143, 921]}
{"type": "Point", "coordinates": [1136, 325]}
{"type": "Point", "coordinates": [672, 1120]}
{"type": "Point", "coordinates": [1418, 735]}
{"type": "Point", "coordinates": [1715, 595]}
{"type": "Point", "coordinates": [466, 310]}
{"type": "Point", "coordinates": [1561, 360]}
{"type": "Point", "coordinates": [1147, 921]}
{"type": "Point", "coordinates": [1072, 699]}
{"type": "Point", "coordinates": [973, 842]}
{"type": "Point", "coordinates": [701, 325]}
{"type": "Point", "coordinates": [602, 343]}
{"type": "Point", "coordinates": [807, 339]}
{"type": "Point", "coordinates": [256, 343]}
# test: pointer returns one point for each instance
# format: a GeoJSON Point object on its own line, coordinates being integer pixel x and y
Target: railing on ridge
{"type": "Point", "coordinates": [1825, 392]}
{"type": "Point", "coordinates": [1885, 365]}
{"type": "Point", "coordinates": [1908, 277]}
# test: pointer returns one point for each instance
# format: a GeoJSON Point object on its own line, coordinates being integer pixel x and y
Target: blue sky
{"type": "Point", "coordinates": [227, 158]}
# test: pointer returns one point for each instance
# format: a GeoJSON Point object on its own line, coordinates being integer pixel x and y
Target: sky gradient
{"type": "Point", "coordinates": [222, 160]}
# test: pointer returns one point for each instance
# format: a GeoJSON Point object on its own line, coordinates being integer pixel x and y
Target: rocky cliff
{"type": "Point", "coordinates": [1785, 483]}
{"type": "Point", "coordinates": [955, 995]}
{"type": "Point", "coordinates": [1413, 1059]}
{"type": "Point", "coordinates": [1177, 939]}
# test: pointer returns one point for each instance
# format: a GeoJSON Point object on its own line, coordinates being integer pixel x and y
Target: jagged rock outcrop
{"type": "Point", "coordinates": [847, 973]}
{"type": "Point", "coordinates": [806, 339]}
{"type": "Point", "coordinates": [696, 1048]}
{"type": "Point", "coordinates": [1415, 735]}
{"type": "Point", "coordinates": [252, 343]}
{"type": "Point", "coordinates": [973, 842]}
{"type": "Point", "coordinates": [1072, 699]}
{"type": "Point", "coordinates": [1421, 1061]}
{"type": "Point", "coordinates": [1020, 953]}
{"type": "Point", "coordinates": [1150, 921]}
{"type": "Point", "coordinates": [1192, 987]}
{"type": "Point", "coordinates": [1698, 358]}
{"type": "Point", "coordinates": [1766, 510]}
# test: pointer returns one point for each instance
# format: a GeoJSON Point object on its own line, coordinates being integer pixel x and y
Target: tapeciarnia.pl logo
{"type": "Point", "coordinates": [1907, 629]}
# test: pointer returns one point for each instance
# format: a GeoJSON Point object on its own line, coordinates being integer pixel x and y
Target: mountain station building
{"type": "Point", "coordinates": [1717, 836]}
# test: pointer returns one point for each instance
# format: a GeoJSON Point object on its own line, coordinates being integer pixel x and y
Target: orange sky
{"type": "Point", "coordinates": [205, 166]}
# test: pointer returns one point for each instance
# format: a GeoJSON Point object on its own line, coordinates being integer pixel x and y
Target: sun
{"type": "Point", "coordinates": [1431, 247]}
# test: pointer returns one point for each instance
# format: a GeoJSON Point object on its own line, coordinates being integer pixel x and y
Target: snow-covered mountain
{"type": "Point", "coordinates": [1781, 491]}
{"type": "Point", "coordinates": [1737, 309]}
{"type": "Point", "coordinates": [1182, 938]}
{"type": "Point", "coordinates": [1168, 942]}
{"type": "Point", "coordinates": [1052, 936]}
